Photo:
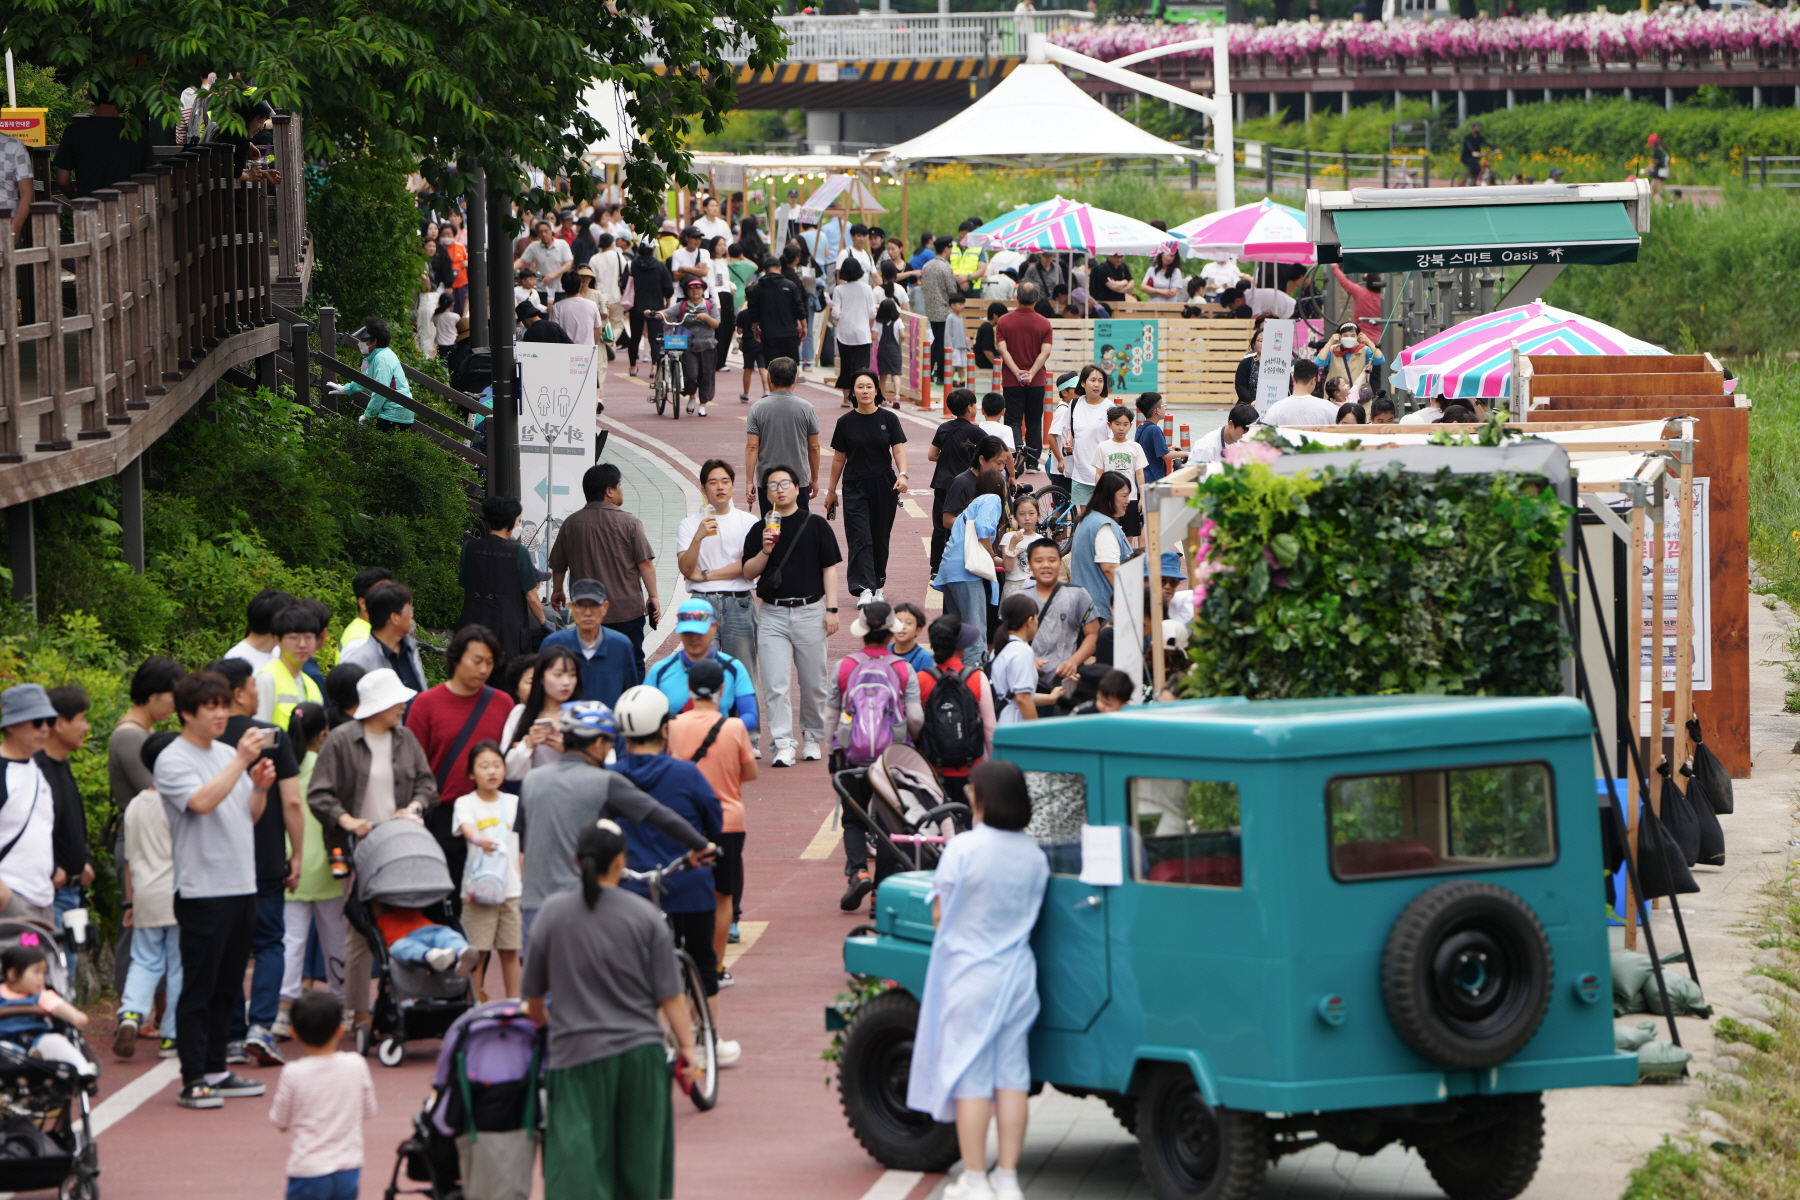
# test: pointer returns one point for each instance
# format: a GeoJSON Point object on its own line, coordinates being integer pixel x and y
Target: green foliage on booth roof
{"type": "Point", "coordinates": [365, 228]}
{"type": "Point", "coordinates": [1368, 582]}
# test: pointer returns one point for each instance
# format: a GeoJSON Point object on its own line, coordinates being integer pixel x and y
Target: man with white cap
{"type": "Point", "coordinates": [371, 769]}
{"type": "Point", "coordinates": [28, 819]}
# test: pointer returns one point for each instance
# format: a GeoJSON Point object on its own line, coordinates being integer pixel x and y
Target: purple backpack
{"type": "Point", "coordinates": [875, 702]}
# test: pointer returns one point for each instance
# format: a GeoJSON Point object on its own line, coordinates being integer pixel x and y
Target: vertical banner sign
{"type": "Point", "coordinates": [1126, 351]}
{"type": "Point", "coordinates": [558, 418]}
{"type": "Point", "coordinates": [1674, 530]}
{"type": "Point", "coordinates": [914, 342]}
{"type": "Point", "coordinates": [1128, 621]}
{"type": "Point", "coordinates": [1276, 367]}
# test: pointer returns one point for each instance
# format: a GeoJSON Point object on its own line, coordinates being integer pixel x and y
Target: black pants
{"type": "Point", "coordinates": [859, 841]}
{"type": "Point", "coordinates": [939, 535]}
{"type": "Point", "coordinates": [650, 330]}
{"type": "Point", "coordinates": [698, 371]}
{"type": "Point", "coordinates": [1025, 406]}
{"type": "Point", "coordinates": [727, 322]}
{"type": "Point", "coordinates": [694, 933]}
{"type": "Point", "coordinates": [216, 934]}
{"type": "Point", "coordinates": [780, 347]}
{"type": "Point", "coordinates": [937, 351]}
{"type": "Point", "coordinates": [634, 633]}
{"type": "Point", "coordinates": [869, 507]}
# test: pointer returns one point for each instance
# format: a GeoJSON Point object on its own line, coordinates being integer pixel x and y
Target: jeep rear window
{"type": "Point", "coordinates": [1058, 811]}
{"type": "Point", "coordinates": [1460, 819]}
{"type": "Point", "coordinates": [1190, 829]}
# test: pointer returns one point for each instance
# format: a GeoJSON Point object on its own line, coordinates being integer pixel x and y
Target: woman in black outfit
{"type": "Point", "coordinates": [1248, 367]}
{"type": "Point", "coordinates": [868, 453]}
{"type": "Point", "coordinates": [653, 286]}
{"type": "Point", "coordinates": [751, 239]}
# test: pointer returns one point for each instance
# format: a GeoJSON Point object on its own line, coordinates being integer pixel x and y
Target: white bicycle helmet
{"type": "Point", "coordinates": [641, 711]}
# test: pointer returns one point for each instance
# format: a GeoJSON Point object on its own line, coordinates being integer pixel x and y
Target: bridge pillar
{"type": "Point", "coordinates": [1755, 96]}
{"type": "Point", "coordinates": [1588, 94]}
{"type": "Point", "coordinates": [1509, 99]}
{"type": "Point", "coordinates": [1344, 106]}
{"type": "Point", "coordinates": [1306, 108]}
{"type": "Point", "coordinates": [1627, 92]}
{"type": "Point", "coordinates": [21, 532]}
{"type": "Point", "coordinates": [1547, 96]}
{"type": "Point", "coordinates": [131, 504]}
{"type": "Point", "coordinates": [1462, 107]}
{"type": "Point", "coordinates": [1669, 99]}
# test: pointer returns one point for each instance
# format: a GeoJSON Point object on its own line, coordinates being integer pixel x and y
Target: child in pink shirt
{"type": "Point", "coordinates": [323, 1099]}
{"type": "Point", "coordinates": [23, 969]}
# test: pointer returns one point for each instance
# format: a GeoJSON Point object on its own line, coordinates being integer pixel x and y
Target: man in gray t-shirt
{"type": "Point", "coordinates": [782, 431]}
{"type": "Point", "coordinates": [609, 968]}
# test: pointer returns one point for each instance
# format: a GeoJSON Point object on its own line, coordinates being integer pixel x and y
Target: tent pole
{"type": "Point", "coordinates": [905, 233]}
{"type": "Point", "coordinates": [1684, 602]}
{"type": "Point", "coordinates": [1631, 651]}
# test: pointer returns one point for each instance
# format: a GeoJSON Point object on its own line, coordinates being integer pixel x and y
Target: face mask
{"type": "Point", "coordinates": [1347, 341]}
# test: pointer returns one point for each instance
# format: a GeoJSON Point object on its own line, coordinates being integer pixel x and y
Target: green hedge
{"type": "Point", "coordinates": [365, 228]}
{"type": "Point", "coordinates": [1367, 582]}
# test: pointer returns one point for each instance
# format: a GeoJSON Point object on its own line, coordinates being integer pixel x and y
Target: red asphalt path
{"type": "Point", "coordinates": [777, 1131]}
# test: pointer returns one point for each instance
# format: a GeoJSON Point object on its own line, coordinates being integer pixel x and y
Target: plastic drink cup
{"type": "Point", "coordinates": [76, 921]}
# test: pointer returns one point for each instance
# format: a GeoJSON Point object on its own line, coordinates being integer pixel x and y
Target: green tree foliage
{"type": "Point", "coordinates": [498, 84]}
{"type": "Point", "coordinates": [1367, 582]}
{"type": "Point", "coordinates": [366, 240]}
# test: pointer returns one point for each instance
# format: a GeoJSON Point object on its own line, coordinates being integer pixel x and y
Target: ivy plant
{"type": "Point", "coordinates": [1344, 583]}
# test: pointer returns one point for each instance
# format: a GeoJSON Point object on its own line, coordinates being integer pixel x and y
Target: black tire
{"type": "Point", "coordinates": [872, 1075]}
{"type": "Point", "coordinates": [675, 383]}
{"type": "Point", "coordinates": [1193, 1151]}
{"type": "Point", "coordinates": [659, 386]}
{"type": "Point", "coordinates": [1466, 974]}
{"type": "Point", "coordinates": [705, 1090]}
{"type": "Point", "coordinates": [1052, 500]}
{"type": "Point", "coordinates": [1124, 1110]}
{"type": "Point", "coordinates": [1497, 1162]}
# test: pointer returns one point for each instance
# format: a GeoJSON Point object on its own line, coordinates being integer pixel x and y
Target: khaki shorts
{"type": "Point", "coordinates": [494, 926]}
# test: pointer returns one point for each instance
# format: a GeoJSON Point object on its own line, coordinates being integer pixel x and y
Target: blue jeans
{"type": "Point", "coordinates": [968, 600]}
{"type": "Point", "coordinates": [734, 624]}
{"type": "Point", "coordinates": [339, 1185]}
{"type": "Point", "coordinates": [268, 961]}
{"type": "Point", "coordinates": [67, 898]}
{"type": "Point", "coordinates": [412, 948]}
{"type": "Point", "coordinates": [155, 956]}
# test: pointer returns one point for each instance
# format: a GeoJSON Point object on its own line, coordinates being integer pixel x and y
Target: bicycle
{"type": "Point", "coordinates": [703, 1089]}
{"type": "Point", "coordinates": [1057, 515]}
{"type": "Point", "coordinates": [666, 380]}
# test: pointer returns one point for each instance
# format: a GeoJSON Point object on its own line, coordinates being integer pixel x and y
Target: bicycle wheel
{"type": "Point", "coordinates": [705, 1090]}
{"type": "Point", "coordinates": [675, 384]}
{"type": "Point", "coordinates": [659, 385]}
{"type": "Point", "coordinates": [1056, 515]}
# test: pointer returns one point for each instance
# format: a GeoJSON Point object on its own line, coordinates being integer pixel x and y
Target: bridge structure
{"type": "Point", "coordinates": [875, 79]}
{"type": "Point", "coordinates": [120, 312]}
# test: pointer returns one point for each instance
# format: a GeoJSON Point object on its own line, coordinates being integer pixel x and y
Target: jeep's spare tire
{"type": "Point", "coordinates": [1466, 974]}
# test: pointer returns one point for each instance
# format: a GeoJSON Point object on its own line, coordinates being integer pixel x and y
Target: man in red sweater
{"type": "Point", "coordinates": [453, 716]}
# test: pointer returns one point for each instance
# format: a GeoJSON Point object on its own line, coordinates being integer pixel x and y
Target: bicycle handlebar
{"type": "Point", "coordinates": [672, 867]}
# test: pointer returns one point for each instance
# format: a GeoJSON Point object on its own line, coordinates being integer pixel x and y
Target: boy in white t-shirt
{"type": "Point", "coordinates": [487, 819]}
{"type": "Point", "coordinates": [1121, 453]}
{"type": "Point", "coordinates": [322, 1099]}
{"type": "Point", "coordinates": [993, 407]}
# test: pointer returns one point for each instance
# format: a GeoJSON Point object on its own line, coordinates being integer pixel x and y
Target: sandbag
{"type": "Point", "coordinates": [1629, 970]}
{"type": "Point", "coordinates": [1685, 997]}
{"type": "Point", "coordinates": [1712, 834]}
{"type": "Point", "coordinates": [1630, 1037]}
{"type": "Point", "coordinates": [1709, 774]}
{"type": "Point", "coordinates": [1659, 1062]}
{"type": "Point", "coordinates": [1678, 815]}
{"type": "Point", "coordinates": [1661, 869]}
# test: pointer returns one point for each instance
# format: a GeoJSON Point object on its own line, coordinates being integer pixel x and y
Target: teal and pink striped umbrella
{"type": "Point", "coordinates": [1475, 358]}
{"type": "Point", "coordinates": [1261, 232]}
{"type": "Point", "coordinates": [1065, 225]}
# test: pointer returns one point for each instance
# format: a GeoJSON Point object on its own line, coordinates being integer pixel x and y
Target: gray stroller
{"type": "Point", "coordinates": [400, 863]}
{"type": "Point", "coordinates": [46, 1138]}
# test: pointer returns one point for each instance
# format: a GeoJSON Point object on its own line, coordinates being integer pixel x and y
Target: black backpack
{"type": "Point", "coordinates": [952, 735]}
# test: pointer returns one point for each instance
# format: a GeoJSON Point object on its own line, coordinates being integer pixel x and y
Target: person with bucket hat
{"type": "Point", "coordinates": [28, 818]}
{"type": "Point", "coordinates": [371, 769]}
{"type": "Point", "coordinates": [374, 340]}
{"type": "Point", "coordinates": [694, 629]}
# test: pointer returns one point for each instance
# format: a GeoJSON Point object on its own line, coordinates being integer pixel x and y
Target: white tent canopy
{"type": "Point", "coordinates": [1035, 116]}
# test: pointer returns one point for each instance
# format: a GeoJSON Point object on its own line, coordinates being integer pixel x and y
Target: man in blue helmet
{"type": "Point", "coordinates": [557, 802]}
{"type": "Point", "coordinates": [694, 628]}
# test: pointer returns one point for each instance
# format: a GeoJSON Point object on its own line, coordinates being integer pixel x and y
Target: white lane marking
{"type": "Point", "coordinates": [661, 447]}
{"type": "Point", "coordinates": [912, 508]}
{"type": "Point", "coordinates": [748, 932]}
{"type": "Point", "coordinates": [654, 638]}
{"type": "Point", "coordinates": [893, 1185]}
{"type": "Point", "coordinates": [826, 840]}
{"type": "Point", "coordinates": [132, 1096]}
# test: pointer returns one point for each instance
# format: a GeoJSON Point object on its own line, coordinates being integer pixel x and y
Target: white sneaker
{"type": "Point", "coordinates": [441, 959]}
{"type": "Point", "coordinates": [702, 411]}
{"type": "Point", "coordinates": [810, 750]}
{"type": "Point", "coordinates": [956, 1189]}
{"type": "Point", "coordinates": [1009, 1193]}
{"type": "Point", "coordinates": [867, 598]}
{"type": "Point", "coordinates": [726, 1054]}
{"type": "Point", "coordinates": [879, 598]}
{"type": "Point", "coordinates": [756, 752]}
{"type": "Point", "coordinates": [784, 755]}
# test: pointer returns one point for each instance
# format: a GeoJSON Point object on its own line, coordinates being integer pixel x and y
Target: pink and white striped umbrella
{"type": "Point", "coordinates": [1261, 232]}
{"type": "Point", "coordinates": [1475, 358]}
{"type": "Point", "coordinates": [1061, 224]}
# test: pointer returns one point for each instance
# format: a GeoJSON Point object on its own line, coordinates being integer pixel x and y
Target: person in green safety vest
{"type": "Point", "coordinates": [967, 263]}
{"type": "Point", "coordinates": [282, 682]}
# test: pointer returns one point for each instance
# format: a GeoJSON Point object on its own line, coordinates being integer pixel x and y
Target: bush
{"type": "Point", "coordinates": [365, 230]}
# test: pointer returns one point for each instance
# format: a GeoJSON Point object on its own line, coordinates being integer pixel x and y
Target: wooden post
{"type": "Point", "coordinates": [12, 441]}
{"type": "Point", "coordinates": [302, 356]}
{"type": "Point", "coordinates": [1659, 529]}
{"type": "Point", "coordinates": [1631, 640]}
{"type": "Point", "coordinates": [327, 346]}
{"type": "Point", "coordinates": [53, 426]}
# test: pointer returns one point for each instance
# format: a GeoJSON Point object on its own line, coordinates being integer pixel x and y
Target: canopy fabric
{"type": "Point", "coordinates": [1494, 235]}
{"type": "Point", "coordinates": [1475, 357]}
{"type": "Point", "coordinates": [1038, 117]}
{"type": "Point", "coordinates": [1262, 232]}
{"type": "Point", "coordinates": [839, 191]}
{"type": "Point", "coordinates": [1060, 224]}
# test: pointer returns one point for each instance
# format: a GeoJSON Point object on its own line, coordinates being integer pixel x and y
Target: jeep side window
{"type": "Point", "coordinates": [1190, 831]}
{"type": "Point", "coordinates": [1058, 811]}
{"type": "Point", "coordinates": [1463, 819]}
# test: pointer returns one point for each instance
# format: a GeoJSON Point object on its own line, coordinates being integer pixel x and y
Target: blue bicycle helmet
{"type": "Point", "coordinates": [585, 720]}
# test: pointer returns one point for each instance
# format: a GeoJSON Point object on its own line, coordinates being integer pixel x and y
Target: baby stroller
{"type": "Point", "coordinates": [477, 1135]}
{"type": "Point", "coordinates": [901, 803]}
{"type": "Point", "coordinates": [400, 863]}
{"type": "Point", "coordinates": [46, 1140]}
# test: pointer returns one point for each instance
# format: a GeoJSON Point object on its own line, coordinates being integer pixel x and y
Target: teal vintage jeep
{"type": "Point", "coordinates": [1357, 921]}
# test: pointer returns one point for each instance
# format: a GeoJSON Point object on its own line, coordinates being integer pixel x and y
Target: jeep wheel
{"type": "Point", "coordinates": [1496, 1162]}
{"type": "Point", "coordinates": [1466, 974]}
{"type": "Point", "coordinates": [1124, 1109]}
{"type": "Point", "coordinates": [1193, 1151]}
{"type": "Point", "coordinates": [872, 1075]}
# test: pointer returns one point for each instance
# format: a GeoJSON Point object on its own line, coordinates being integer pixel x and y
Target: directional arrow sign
{"type": "Point", "coordinates": [543, 490]}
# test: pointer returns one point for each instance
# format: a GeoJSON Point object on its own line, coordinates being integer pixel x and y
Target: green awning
{"type": "Point", "coordinates": [1486, 235]}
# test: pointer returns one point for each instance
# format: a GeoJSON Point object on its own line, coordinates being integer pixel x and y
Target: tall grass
{"type": "Point", "coordinates": [1774, 390]}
